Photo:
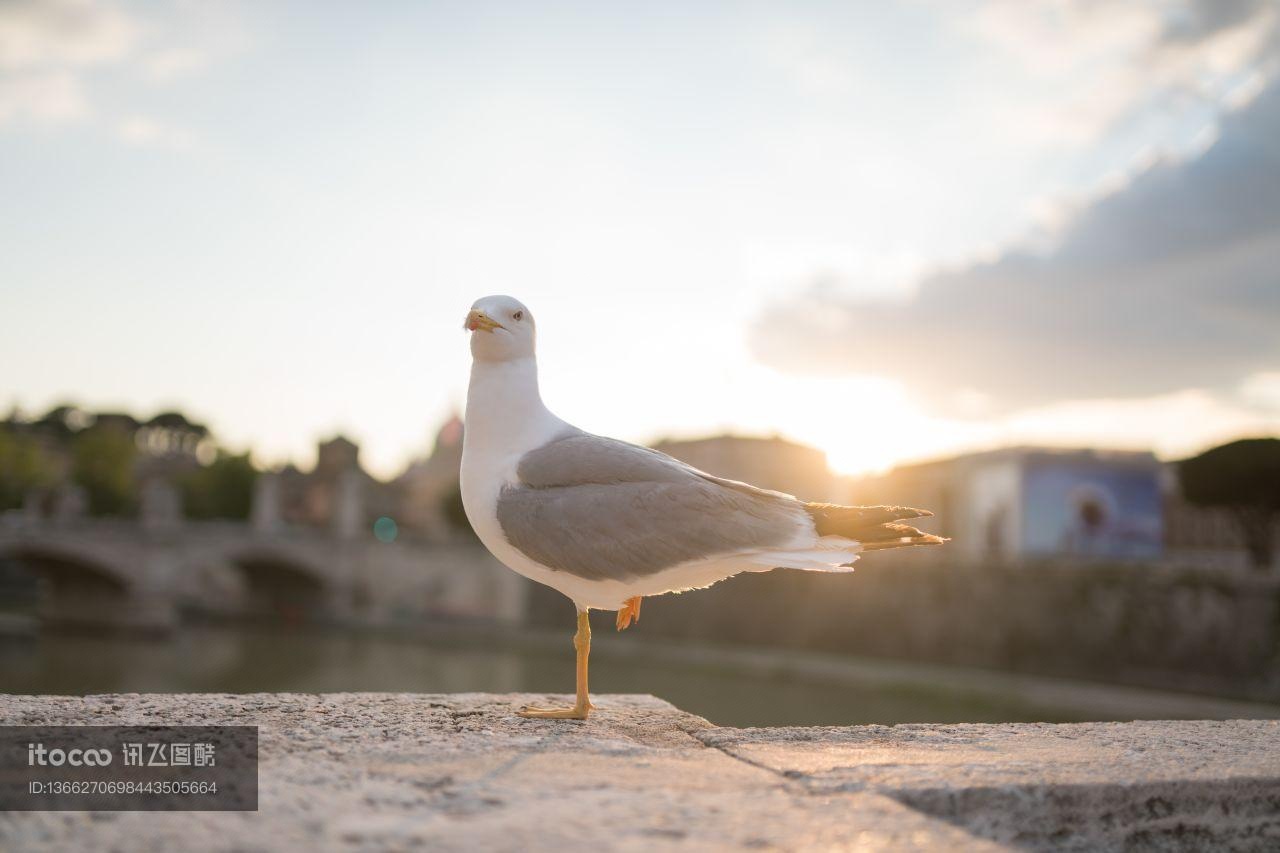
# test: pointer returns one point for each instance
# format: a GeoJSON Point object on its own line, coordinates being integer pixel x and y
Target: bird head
{"type": "Point", "coordinates": [501, 329]}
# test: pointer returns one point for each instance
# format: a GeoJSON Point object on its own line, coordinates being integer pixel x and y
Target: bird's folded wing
{"type": "Point", "coordinates": [607, 510]}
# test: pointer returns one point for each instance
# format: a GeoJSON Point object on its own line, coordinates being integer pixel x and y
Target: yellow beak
{"type": "Point", "coordinates": [481, 321]}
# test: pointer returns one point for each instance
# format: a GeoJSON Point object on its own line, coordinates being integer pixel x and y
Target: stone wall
{"type": "Point", "coordinates": [1212, 631]}
{"type": "Point", "coordinates": [396, 771]}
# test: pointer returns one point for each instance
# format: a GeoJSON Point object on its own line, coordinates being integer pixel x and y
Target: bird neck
{"type": "Point", "coordinates": [504, 407]}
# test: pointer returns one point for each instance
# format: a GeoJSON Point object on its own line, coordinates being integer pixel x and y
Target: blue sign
{"type": "Point", "coordinates": [1091, 507]}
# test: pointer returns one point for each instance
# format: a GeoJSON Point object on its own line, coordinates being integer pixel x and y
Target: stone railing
{"type": "Point", "coordinates": [461, 772]}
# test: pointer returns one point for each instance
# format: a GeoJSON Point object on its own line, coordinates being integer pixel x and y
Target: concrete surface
{"type": "Point", "coordinates": [460, 772]}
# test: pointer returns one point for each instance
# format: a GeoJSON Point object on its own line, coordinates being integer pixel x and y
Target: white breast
{"type": "Point", "coordinates": [505, 419]}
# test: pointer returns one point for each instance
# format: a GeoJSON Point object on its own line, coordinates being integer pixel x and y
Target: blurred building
{"type": "Point", "coordinates": [429, 486]}
{"type": "Point", "coordinates": [1034, 502]}
{"type": "Point", "coordinates": [170, 447]}
{"type": "Point", "coordinates": [338, 493]}
{"type": "Point", "coordinates": [1206, 536]}
{"type": "Point", "coordinates": [771, 463]}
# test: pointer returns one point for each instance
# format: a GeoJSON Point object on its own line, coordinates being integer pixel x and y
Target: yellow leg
{"type": "Point", "coordinates": [582, 705]}
{"type": "Point", "coordinates": [628, 613]}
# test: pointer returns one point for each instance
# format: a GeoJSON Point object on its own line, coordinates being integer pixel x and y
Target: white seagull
{"type": "Point", "coordinates": [608, 523]}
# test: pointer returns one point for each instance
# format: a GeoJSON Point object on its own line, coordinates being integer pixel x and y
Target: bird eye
{"type": "Point", "coordinates": [519, 315]}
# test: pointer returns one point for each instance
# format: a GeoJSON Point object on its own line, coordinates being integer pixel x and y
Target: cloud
{"type": "Point", "coordinates": [1170, 282]}
{"type": "Point", "coordinates": [47, 97]}
{"type": "Point", "coordinates": [44, 47]}
{"type": "Point", "coordinates": [1262, 390]}
{"type": "Point", "coordinates": [173, 62]}
{"type": "Point", "coordinates": [59, 33]}
{"type": "Point", "coordinates": [1199, 420]}
{"type": "Point", "coordinates": [1099, 65]}
{"type": "Point", "coordinates": [150, 132]}
{"type": "Point", "coordinates": [52, 51]}
{"type": "Point", "coordinates": [1198, 20]}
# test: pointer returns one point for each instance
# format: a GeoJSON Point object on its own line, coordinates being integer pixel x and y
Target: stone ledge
{"type": "Point", "coordinates": [452, 772]}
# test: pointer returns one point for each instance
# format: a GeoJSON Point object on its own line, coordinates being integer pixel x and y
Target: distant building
{"type": "Point", "coordinates": [340, 495]}
{"type": "Point", "coordinates": [1205, 536]}
{"type": "Point", "coordinates": [169, 445]}
{"type": "Point", "coordinates": [1034, 502]}
{"type": "Point", "coordinates": [771, 463]}
{"type": "Point", "coordinates": [426, 487]}
{"type": "Point", "coordinates": [337, 493]}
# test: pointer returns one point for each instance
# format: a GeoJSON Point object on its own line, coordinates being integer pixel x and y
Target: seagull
{"type": "Point", "coordinates": [608, 523]}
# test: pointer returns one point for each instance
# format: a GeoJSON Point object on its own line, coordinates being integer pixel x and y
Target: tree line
{"type": "Point", "coordinates": [109, 456]}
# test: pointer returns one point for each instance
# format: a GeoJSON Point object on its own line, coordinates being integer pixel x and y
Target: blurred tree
{"type": "Point", "coordinates": [62, 421]}
{"type": "Point", "coordinates": [102, 459]}
{"type": "Point", "coordinates": [23, 468]}
{"type": "Point", "coordinates": [171, 433]}
{"type": "Point", "coordinates": [221, 489]}
{"type": "Point", "coordinates": [1244, 478]}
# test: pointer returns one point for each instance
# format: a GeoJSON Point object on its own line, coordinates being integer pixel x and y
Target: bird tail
{"type": "Point", "coordinates": [876, 527]}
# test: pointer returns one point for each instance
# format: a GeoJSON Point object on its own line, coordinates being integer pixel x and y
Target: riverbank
{"type": "Point", "coordinates": [461, 772]}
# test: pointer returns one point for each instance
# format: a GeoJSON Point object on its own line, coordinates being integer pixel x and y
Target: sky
{"type": "Point", "coordinates": [892, 230]}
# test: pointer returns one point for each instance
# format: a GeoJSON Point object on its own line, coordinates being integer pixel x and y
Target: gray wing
{"type": "Point", "coordinates": [607, 510]}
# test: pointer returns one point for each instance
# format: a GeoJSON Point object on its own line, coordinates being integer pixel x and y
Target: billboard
{"type": "Point", "coordinates": [1091, 506]}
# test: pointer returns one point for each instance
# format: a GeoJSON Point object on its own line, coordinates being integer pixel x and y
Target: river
{"type": "Point", "coordinates": [727, 686]}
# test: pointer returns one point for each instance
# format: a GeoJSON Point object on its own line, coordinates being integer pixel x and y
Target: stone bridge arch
{"type": "Point", "coordinates": [78, 585]}
{"type": "Point", "coordinates": [284, 584]}
{"type": "Point", "coordinates": [62, 561]}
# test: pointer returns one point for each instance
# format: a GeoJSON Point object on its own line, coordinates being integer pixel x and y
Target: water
{"type": "Point", "coordinates": [717, 686]}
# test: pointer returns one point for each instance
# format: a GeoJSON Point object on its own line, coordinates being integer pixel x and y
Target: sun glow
{"type": "Point", "coordinates": [863, 424]}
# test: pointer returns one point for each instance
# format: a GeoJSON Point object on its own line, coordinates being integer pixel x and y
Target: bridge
{"type": "Point", "coordinates": [146, 574]}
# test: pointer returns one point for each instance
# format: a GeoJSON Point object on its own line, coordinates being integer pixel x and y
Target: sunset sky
{"type": "Point", "coordinates": [894, 231]}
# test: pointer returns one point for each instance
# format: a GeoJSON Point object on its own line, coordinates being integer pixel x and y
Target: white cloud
{"type": "Point", "coordinates": [1262, 390]}
{"type": "Point", "coordinates": [43, 96]}
{"type": "Point", "coordinates": [52, 53]}
{"type": "Point", "coordinates": [44, 49]}
{"type": "Point", "coordinates": [63, 33]}
{"type": "Point", "coordinates": [1167, 283]}
{"type": "Point", "coordinates": [174, 62]}
{"type": "Point", "coordinates": [1173, 425]}
{"type": "Point", "coordinates": [150, 132]}
{"type": "Point", "coordinates": [1097, 64]}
